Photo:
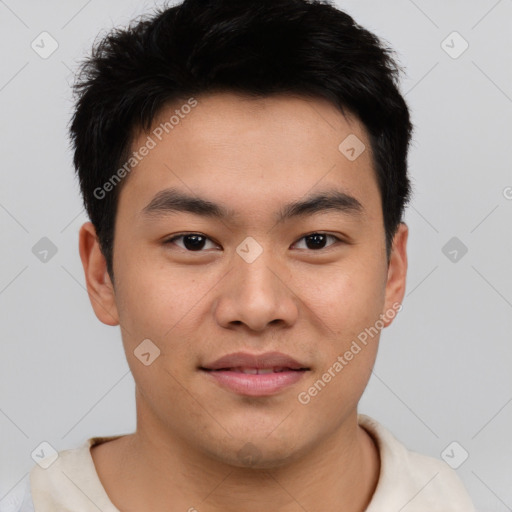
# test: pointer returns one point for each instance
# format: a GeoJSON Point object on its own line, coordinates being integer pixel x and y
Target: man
{"type": "Point", "coordinates": [244, 167]}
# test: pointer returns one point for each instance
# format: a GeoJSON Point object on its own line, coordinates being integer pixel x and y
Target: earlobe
{"type": "Point", "coordinates": [99, 286]}
{"type": "Point", "coordinates": [397, 274]}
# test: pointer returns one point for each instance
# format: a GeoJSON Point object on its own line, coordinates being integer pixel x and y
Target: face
{"type": "Point", "coordinates": [245, 232]}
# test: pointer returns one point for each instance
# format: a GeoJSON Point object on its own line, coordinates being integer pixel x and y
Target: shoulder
{"type": "Point", "coordinates": [66, 480]}
{"type": "Point", "coordinates": [411, 481]}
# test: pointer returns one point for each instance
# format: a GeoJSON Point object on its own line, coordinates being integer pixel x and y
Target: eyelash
{"type": "Point", "coordinates": [176, 237]}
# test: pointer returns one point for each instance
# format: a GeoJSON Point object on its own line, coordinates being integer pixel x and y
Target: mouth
{"type": "Point", "coordinates": [255, 375]}
{"type": "Point", "coordinates": [257, 371]}
{"type": "Point", "coordinates": [255, 381]}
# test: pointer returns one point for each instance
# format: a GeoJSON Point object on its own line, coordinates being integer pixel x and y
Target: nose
{"type": "Point", "coordinates": [256, 295]}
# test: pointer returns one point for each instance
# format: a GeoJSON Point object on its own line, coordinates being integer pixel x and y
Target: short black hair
{"type": "Point", "coordinates": [257, 48]}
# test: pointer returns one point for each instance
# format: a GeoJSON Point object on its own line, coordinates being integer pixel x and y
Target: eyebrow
{"type": "Point", "coordinates": [172, 200]}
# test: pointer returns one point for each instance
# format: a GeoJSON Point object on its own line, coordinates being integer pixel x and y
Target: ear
{"type": "Point", "coordinates": [397, 273]}
{"type": "Point", "coordinates": [99, 286]}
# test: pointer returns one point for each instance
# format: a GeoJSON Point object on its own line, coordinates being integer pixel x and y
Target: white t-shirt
{"type": "Point", "coordinates": [408, 481]}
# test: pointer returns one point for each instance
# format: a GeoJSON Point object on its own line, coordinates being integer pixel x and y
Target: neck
{"type": "Point", "coordinates": [339, 473]}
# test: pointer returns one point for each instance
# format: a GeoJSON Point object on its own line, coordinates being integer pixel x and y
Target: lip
{"type": "Point", "coordinates": [226, 371]}
{"type": "Point", "coordinates": [247, 360]}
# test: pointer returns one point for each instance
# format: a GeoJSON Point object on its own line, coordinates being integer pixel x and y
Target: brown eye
{"type": "Point", "coordinates": [316, 241]}
{"type": "Point", "coordinates": [190, 242]}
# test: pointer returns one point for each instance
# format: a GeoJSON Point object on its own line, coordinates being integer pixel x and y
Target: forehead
{"type": "Point", "coordinates": [275, 122]}
{"type": "Point", "coordinates": [251, 152]}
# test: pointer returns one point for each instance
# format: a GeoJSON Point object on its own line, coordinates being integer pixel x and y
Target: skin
{"type": "Point", "coordinates": [252, 156]}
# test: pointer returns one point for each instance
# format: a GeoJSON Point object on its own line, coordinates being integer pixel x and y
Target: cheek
{"type": "Point", "coordinates": [348, 306]}
{"type": "Point", "coordinates": [165, 305]}
{"type": "Point", "coordinates": [153, 298]}
{"type": "Point", "coordinates": [344, 301]}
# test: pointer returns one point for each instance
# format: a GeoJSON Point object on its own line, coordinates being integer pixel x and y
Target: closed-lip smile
{"type": "Point", "coordinates": [255, 374]}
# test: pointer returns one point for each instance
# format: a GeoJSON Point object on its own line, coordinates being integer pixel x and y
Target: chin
{"type": "Point", "coordinates": [260, 453]}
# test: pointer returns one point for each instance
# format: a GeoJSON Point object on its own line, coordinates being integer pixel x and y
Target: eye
{"type": "Point", "coordinates": [191, 241]}
{"type": "Point", "coordinates": [316, 241]}
{"type": "Point", "coordinates": [196, 242]}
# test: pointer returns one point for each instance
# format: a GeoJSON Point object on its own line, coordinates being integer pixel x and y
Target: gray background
{"type": "Point", "coordinates": [443, 371]}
